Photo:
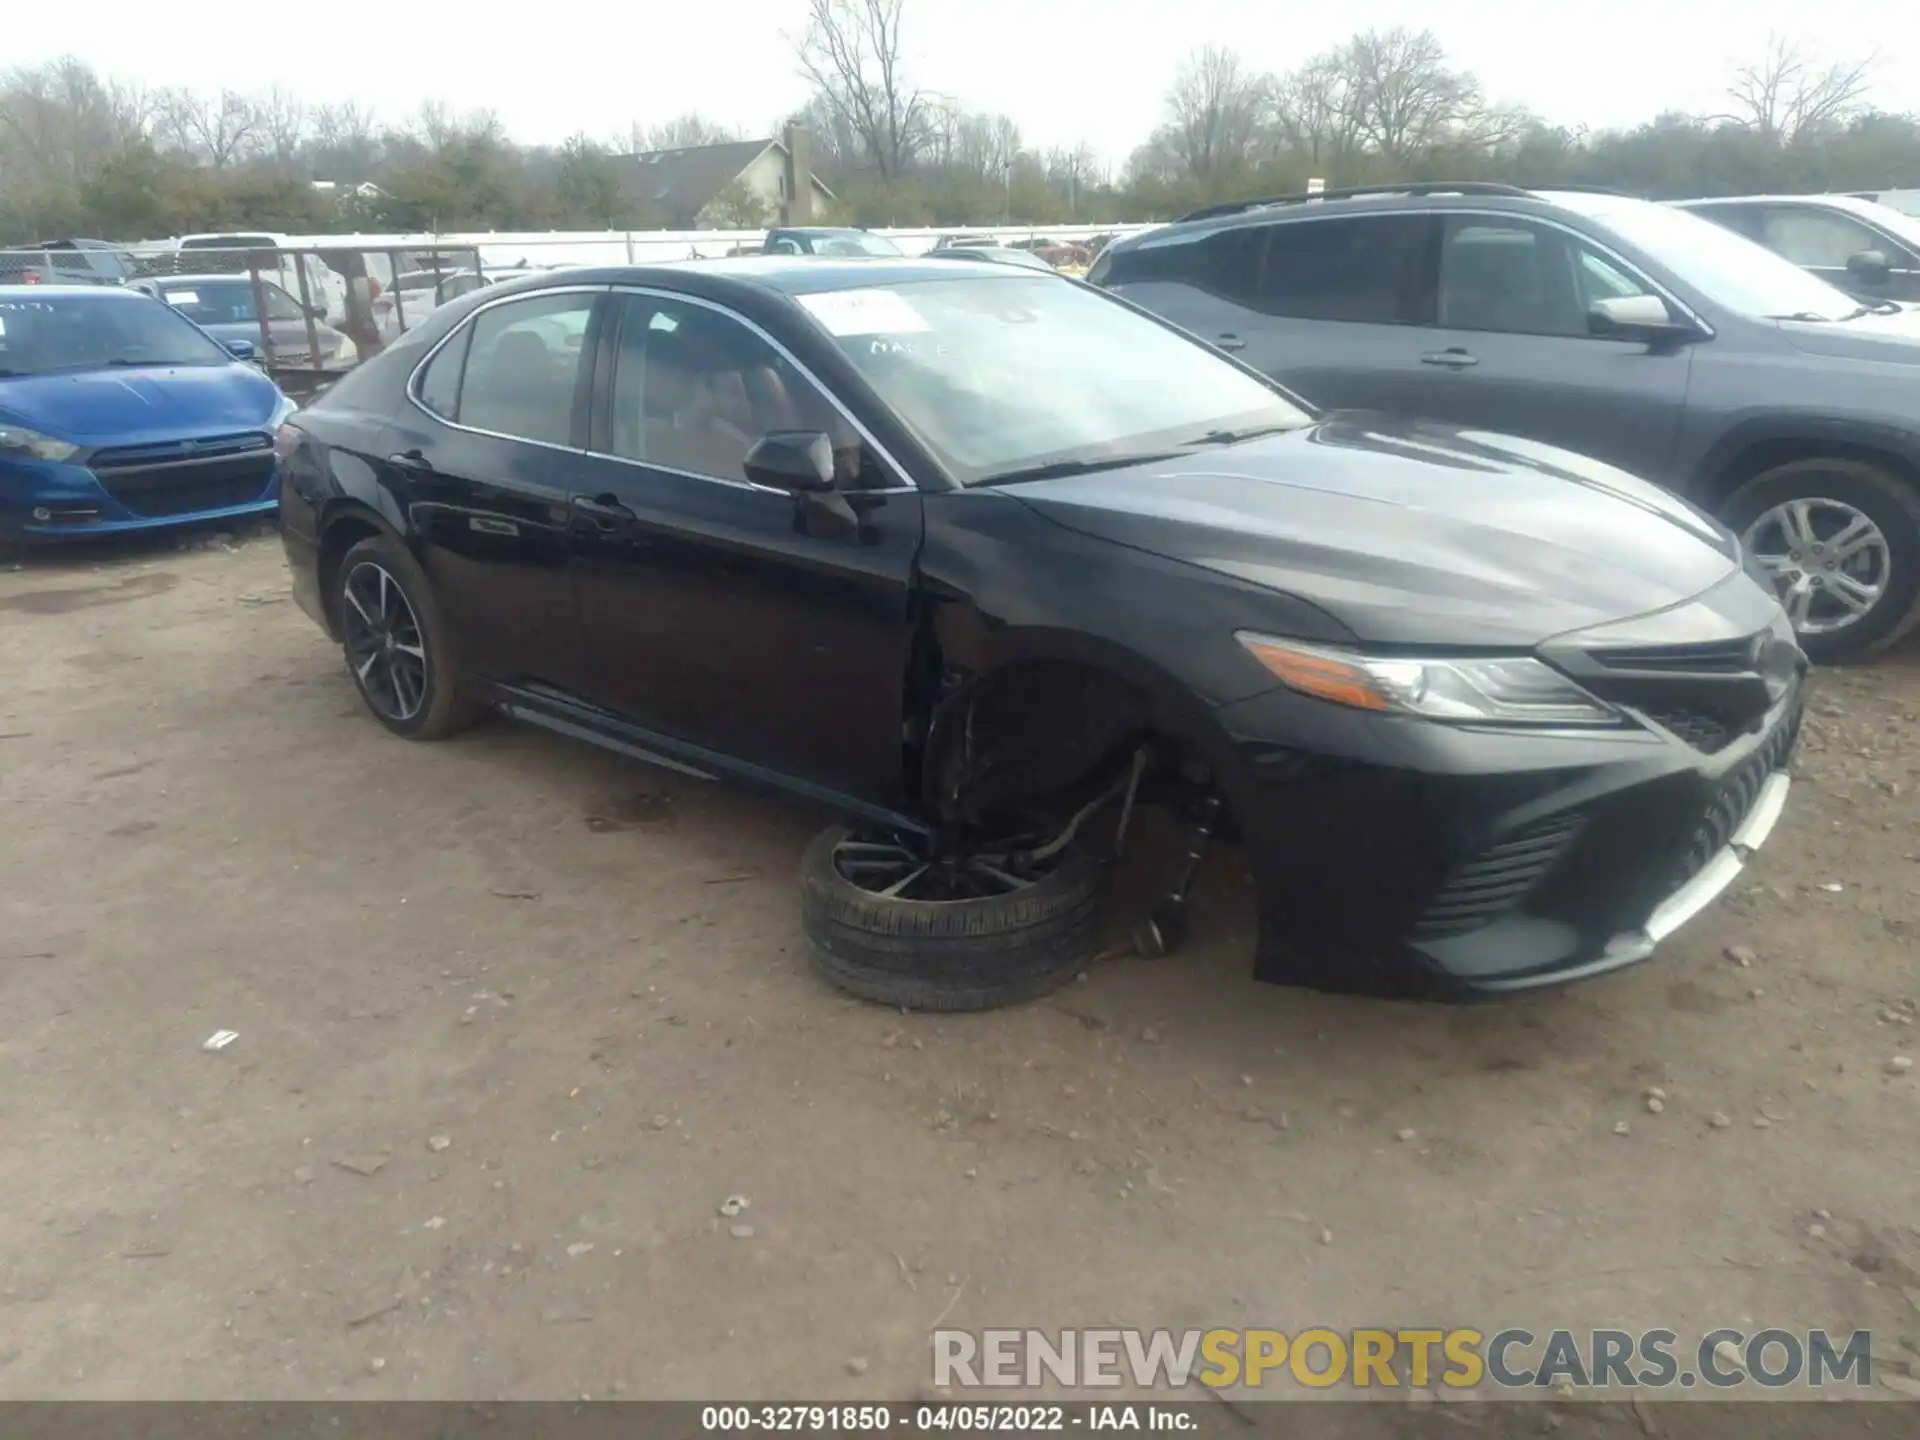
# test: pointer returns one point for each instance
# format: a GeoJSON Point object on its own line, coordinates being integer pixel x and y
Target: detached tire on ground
{"type": "Point", "coordinates": [960, 954]}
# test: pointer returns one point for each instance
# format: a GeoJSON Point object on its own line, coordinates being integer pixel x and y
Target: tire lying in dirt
{"type": "Point", "coordinates": [974, 952]}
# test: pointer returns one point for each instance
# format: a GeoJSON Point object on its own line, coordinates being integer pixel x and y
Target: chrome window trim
{"type": "Point", "coordinates": [1631, 267]}
{"type": "Point", "coordinates": [866, 435]}
{"type": "Point", "coordinates": [413, 376]}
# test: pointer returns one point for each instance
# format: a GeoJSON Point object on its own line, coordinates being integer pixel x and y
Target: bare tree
{"type": "Point", "coordinates": [684, 132]}
{"type": "Point", "coordinates": [1216, 112]}
{"type": "Point", "coordinates": [1408, 98]}
{"type": "Point", "coordinates": [283, 126]}
{"type": "Point", "coordinates": [836, 149]}
{"type": "Point", "coordinates": [851, 53]}
{"type": "Point", "coordinates": [1787, 94]}
{"type": "Point", "coordinates": [60, 121]}
{"type": "Point", "coordinates": [346, 142]}
{"type": "Point", "coordinates": [1072, 171]}
{"type": "Point", "coordinates": [217, 131]}
{"type": "Point", "coordinates": [1317, 110]}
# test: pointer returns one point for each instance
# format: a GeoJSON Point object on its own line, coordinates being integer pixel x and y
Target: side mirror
{"type": "Point", "coordinates": [798, 460]}
{"type": "Point", "coordinates": [241, 349]}
{"type": "Point", "coordinates": [1635, 317]}
{"type": "Point", "coordinates": [1871, 267]}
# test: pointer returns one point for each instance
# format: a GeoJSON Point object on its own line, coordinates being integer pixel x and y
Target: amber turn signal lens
{"type": "Point", "coordinates": [1321, 676]}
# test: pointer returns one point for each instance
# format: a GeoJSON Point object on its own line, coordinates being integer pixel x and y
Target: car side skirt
{"type": "Point", "coordinates": [565, 715]}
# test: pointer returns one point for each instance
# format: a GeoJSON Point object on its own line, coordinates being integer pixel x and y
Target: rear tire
{"type": "Point", "coordinates": [1885, 499]}
{"type": "Point", "coordinates": [397, 645]}
{"type": "Point", "coordinates": [969, 954]}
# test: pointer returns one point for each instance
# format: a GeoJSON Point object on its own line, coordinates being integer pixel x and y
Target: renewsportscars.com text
{"type": "Point", "coordinates": [1320, 1358]}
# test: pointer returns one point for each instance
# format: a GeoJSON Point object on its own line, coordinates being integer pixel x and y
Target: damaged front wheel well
{"type": "Point", "coordinates": [1033, 734]}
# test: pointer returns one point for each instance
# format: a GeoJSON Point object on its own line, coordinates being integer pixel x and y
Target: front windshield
{"type": "Point", "coordinates": [854, 242]}
{"type": "Point", "coordinates": [228, 302]}
{"type": "Point", "coordinates": [1729, 269]}
{"type": "Point", "coordinates": [998, 375]}
{"type": "Point", "coordinates": [88, 332]}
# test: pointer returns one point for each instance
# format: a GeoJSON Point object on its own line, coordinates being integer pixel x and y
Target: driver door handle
{"type": "Point", "coordinates": [1229, 342]}
{"type": "Point", "coordinates": [1452, 358]}
{"type": "Point", "coordinates": [412, 460]}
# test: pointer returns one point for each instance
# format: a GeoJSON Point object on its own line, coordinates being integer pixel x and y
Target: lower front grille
{"type": "Point", "coordinates": [1733, 800]}
{"type": "Point", "coordinates": [1706, 733]}
{"type": "Point", "coordinates": [1497, 879]}
{"type": "Point", "coordinates": [180, 478]}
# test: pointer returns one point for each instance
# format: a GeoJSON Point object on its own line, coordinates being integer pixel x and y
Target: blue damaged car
{"type": "Point", "coordinates": [117, 414]}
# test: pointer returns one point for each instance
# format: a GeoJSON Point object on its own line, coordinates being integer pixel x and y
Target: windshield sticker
{"type": "Point", "coordinates": [864, 312]}
{"type": "Point", "coordinates": [183, 297]}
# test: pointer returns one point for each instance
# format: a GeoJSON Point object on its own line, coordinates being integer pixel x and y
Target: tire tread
{"type": "Point", "coordinates": [959, 955]}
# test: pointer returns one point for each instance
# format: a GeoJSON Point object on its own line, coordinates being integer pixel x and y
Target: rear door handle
{"type": "Point", "coordinates": [415, 460]}
{"type": "Point", "coordinates": [606, 513]}
{"type": "Point", "coordinates": [1453, 358]}
{"type": "Point", "coordinates": [1229, 343]}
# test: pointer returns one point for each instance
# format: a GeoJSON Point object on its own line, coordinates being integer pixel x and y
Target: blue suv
{"type": "Point", "coordinates": [1632, 332]}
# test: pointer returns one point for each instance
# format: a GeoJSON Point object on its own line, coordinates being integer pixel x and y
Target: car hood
{"type": "Point", "coordinates": [136, 404]}
{"type": "Point", "coordinates": [1411, 533]}
{"type": "Point", "coordinates": [1892, 339]}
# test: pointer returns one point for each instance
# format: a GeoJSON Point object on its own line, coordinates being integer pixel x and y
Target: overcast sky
{"type": "Point", "coordinates": [1065, 72]}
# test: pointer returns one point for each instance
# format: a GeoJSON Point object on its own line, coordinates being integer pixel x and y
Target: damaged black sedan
{"type": "Point", "coordinates": [987, 562]}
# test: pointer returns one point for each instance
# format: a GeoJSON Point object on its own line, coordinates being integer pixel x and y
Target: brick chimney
{"type": "Point", "coordinates": [798, 209]}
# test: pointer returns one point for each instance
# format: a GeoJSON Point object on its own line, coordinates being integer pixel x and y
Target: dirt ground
{"type": "Point", "coordinates": [515, 1017]}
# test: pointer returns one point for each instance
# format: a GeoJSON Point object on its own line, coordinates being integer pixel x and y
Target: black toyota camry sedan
{"type": "Point", "coordinates": [987, 562]}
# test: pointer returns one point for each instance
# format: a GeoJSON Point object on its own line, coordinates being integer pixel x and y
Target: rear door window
{"type": "Point", "coordinates": [1364, 269]}
{"type": "Point", "coordinates": [524, 365]}
{"type": "Point", "coordinates": [438, 387]}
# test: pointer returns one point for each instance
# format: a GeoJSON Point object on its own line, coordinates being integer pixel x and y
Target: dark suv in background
{"type": "Point", "coordinates": [1870, 251]}
{"type": "Point", "coordinates": [1632, 332]}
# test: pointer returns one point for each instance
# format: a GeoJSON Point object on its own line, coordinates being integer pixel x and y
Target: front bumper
{"type": "Point", "coordinates": [46, 501]}
{"type": "Point", "coordinates": [1396, 855]}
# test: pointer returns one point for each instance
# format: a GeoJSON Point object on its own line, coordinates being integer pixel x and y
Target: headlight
{"type": "Point", "coordinates": [1491, 690]}
{"type": "Point", "coordinates": [18, 440]}
{"type": "Point", "coordinates": [281, 410]}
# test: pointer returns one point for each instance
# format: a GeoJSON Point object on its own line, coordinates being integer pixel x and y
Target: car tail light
{"type": "Point", "coordinates": [373, 288]}
{"type": "Point", "coordinates": [285, 441]}
{"type": "Point", "coordinates": [29, 277]}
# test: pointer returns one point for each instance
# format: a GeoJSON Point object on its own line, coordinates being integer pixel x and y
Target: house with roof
{"type": "Point", "coordinates": [740, 185]}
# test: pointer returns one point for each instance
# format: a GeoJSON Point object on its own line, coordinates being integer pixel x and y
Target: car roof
{"type": "Point", "coordinates": [1435, 196]}
{"type": "Point", "coordinates": [782, 274]}
{"type": "Point", "coordinates": [75, 292]}
{"type": "Point", "coordinates": [238, 278]}
{"type": "Point", "coordinates": [1851, 204]}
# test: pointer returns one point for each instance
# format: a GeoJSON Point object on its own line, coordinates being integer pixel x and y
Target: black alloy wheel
{"type": "Point", "coordinates": [385, 644]}
{"type": "Point", "coordinates": [396, 645]}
